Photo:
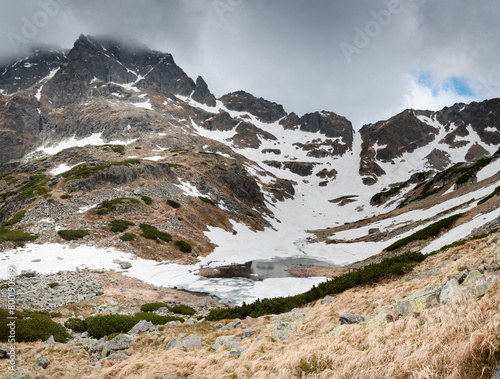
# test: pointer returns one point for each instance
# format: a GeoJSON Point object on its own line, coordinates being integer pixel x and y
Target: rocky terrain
{"type": "Point", "coordinates": [122, 180]}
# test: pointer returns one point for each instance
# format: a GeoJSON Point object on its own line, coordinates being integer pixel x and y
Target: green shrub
{"type": "Point", "coordinates": [84, 171]}
{"type": "Point", "coordinates": [14, 220]}
{"type": "Point", "coordinates": [496, 192]}
{"type": "Point", "coordinates": [127, 237]}
{"type": "Point", "coordinates": [71, 235]}
{"type": "Point", "coordinates": [65, 196]}
{"type": "Point", "coordinates": [147, 200]}
{"type": "Point", "coordinates": [15, 236]}
{"type": "Point", "coordinates": [151, 307]}
{"type": "Point", "coordinates": [184, 246]}
{"type": "Point", "coordinates": [107, 325]}
{"type": "Point", "coordinates": [152, 233]}
{"type": "Point", "coordinates": [35, 184]}
{"type": "Point", "coordinates": [182, 309]}
{"type": "Point", "coordinates": [118, 149]}
{"type": "Point", "coordinates": [109, 205]}
{"type": "Point", "coordinates": [429, 231]}
{"type": "Point", "coordinates": [369, 274]}
{"type": "Point", "coordinates": [118, 226]}
{"type": "Point", "coordinates": [206, 200]}
{"type": "Point", "coordinates": [52, 285]}
{"type": "Point", "coordinates": [173, 204]}
{"type": "Point", "coordinates": [31, 327]}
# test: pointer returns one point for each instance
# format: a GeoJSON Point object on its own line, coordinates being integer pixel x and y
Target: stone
{"type": "Point", "coordinates": [350, 318]}
{"type": "Point", "coordinates": [450, 290]}
{"type": "Point", "coordinates": [373, 230]}
{"type": "Point", "coordinates": [458, 275]}
{"type": "Point", "coordinates": [494, 238]}
{"type": "Point", "coordinates": [415, 303]}
{"type": "Point", "coordinates": [325, 300]}
{"type": "Point", "coordinates": [224, 341]}
{"type": "Point", "coordinates": [496, 373]}
{"type": "Point", "coordinates": [497, 255]}
{"type": "Point", "coordinates": [231, 325]}
{"type": "Point", "coordinates": [117, 356]}
{"type": "Point", "coordinates": [4, 352]}
{"type": "Point", "coordinates": [379, 320]}
{"type": "Point", "coordinates": [219, 325]}
{"type": "Point", "coordinates": [125, 265]}
{"type": "Point", "coordinates": [142, 327]}
{"type": "Point", "coordinates": [235, 352]}
{"type": "Point", "coordinates": [50, 340]}
{"type": "Point", "coordinates": [338, 329]}
{"type": "Point", "coordinates": [295, 315]}
{"type": "Point", "coordinates": [120, 342]}
{"type": "Point", "coordinates": [42, 362]}
{"type": "Point", "coordinates": [282, 330]}
{"type": "Point", "coordinates": [28, 273]}
{"type": "Point", "coordinates": [473, 276]}
{"type": "Point", "coordinates": [17, 374]}
{"type": "Point", "coordinates": [249, 332]}
{"type": "Point", "coordinates": [190, 342]}
{"type": "Point", "coordinates": [477, 289]}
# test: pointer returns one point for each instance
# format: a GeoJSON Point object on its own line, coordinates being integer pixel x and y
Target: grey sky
{"type": "Point", "coordinates": [307, 55]}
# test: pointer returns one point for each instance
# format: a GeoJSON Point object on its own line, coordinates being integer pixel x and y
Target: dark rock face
{"type": "Point", "coordinates": [120, 175]}
{"type": "Point", "coordinates": [438, 159]}
{"type": "Point", "coordinates": [300, 168]}
{"type": "Point", "coordinates": [483, 118]}
{"type": "Point", "coordinates": [221, 121]}
{"type": "Point", "coordinates": [25, 73]}
{"type": "Point", "coordinates": [247, 135]}
{"type": "Point", "coordinates": [202, 94]}
{"type": "Point", "coordinates": [476, 152]}
{"type": "Point", "coordinates": [402, 133]}
{"type": "Point", "coordinates": [242, 101]}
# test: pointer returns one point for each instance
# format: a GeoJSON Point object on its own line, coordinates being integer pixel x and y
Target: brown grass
{"type": "Point", "coordinates": [458, 340]}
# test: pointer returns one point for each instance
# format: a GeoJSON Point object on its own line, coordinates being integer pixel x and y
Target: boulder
{"type": "Point", "coordinates": [458, 275]}
{"type": "Point", "coordinates": [190, 342]}
{"type": "Point", "coordinates": [120, 342]}
{"type": "Point", "coordinates": [231, 325]}
{"type": "Point", "coordinates": [117, 356]}
{"type": "Point", "coordinates": [415, 303]}
{"type": "Point", "coordinates": [474, 276]}
{"type": "Point", "coordinates": [282, 330]}
{"type": "Point", "coordinates": [4, 352]}
{"type": "Point", "coordinates": [224, 341]}
{"type": "Point", "coordinates": [350, 318]}
{"type": "Point", "coordinates": [142, 327]}
{"type": "Point", "coordinates": [248, 333]}
{"type": "Point", "coordinates": [42, 362]}
{"type": "Point", "coordinates": [496, 373]}
{"type": "Point", "coordinates": [494, 238]}
{"type": "Point", "coordinates": [497, 255]}
{"type": "Point", "coordinates": [478, 288]}
{"type": "Point", "coordinates": [235, 352]}
{"type": "Point", "coordinates": [17, 374]}
{"type": "Point", "coordinates": [450, 290]}
{"type": "Point", "coordinates": [295, 315]}
{"type": "Point", "coordinates": [379, 320]}
{"type": "Point", "coordinates": [325, 300]}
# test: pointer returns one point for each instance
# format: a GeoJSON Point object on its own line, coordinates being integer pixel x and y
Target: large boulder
{"type": "Point", "coordinates": [282, 330]}
{"type": "Point", "coordinates": [120, 342]}
{"type": "Point", "coordinates": [224, 341]}
{"type": "Point", "coordinates": [450, 290]}
{"type": "Point", "coordinates": [190, 342]}
{"type": "Point", "coordinates": [415, 303]}
{"type": "Point", "coordinates": [350, 318]}
{"type": "Point", "coordinates": [378, 321]}
{"type": "Point", "coordinates": [142, 327]}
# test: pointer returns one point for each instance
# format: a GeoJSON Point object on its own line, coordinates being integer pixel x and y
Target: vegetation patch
{"type": "Point", "coordinates": [429, 231]}
{"type": "Point", "coordinates": [109, 205]}
{"type": "Point", "coordinates": [206, 200]}
{"type": "Point", "coordinates": [15, 235]}
{"type": "Point", "coordinates": [31, 327]}
{"type": "Point", "coordinates": [151, 307]}
{"type": "Point", "coordinates": [52, 285]}
{"type": "Point", "coordinates": [35, 185]}
{"type": "Point", "coordinates": [147, 200]}
{"type": "Point", "coordinates": [184, 246]}
{"type": "Point", "coordinates": [152, 233]}
{"type": "Point", "coordinates": [71, 235]}
{"type": "Point", "coordinates": [127, 237]}
{"type": "Point", "coordinates": [119, 226]}
{"type": "Point", "coordinates": [14, 220]}
{"type": "Point", "coordinates": [369, 274]}
{"type": "Point", "coordinates": [84, 170]}
{"type": "Point", "coordinates": [496, 192]}
{"type": "Point", "coordinates": [173, 204]}
{"type": "Point", "coordinates": [101, 326]}
{"type": "Point", "coordinates": [65, 196]}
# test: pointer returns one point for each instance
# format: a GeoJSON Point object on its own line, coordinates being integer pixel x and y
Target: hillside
{"type": "Point", "coordinates": [123, 181]}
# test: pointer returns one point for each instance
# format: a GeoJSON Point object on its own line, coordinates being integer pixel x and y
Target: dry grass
{"type": "Point", "coordinates": [457, 340]}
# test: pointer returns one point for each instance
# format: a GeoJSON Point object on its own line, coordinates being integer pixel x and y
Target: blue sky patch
{"type": "Point", "coordinates": [455, 84]}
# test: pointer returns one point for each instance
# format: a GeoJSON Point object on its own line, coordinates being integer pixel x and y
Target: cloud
{"type": "Point", "coordinates": [414, 53]}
